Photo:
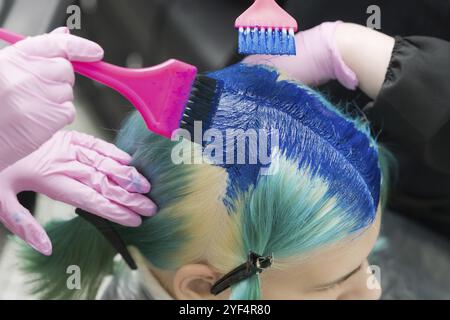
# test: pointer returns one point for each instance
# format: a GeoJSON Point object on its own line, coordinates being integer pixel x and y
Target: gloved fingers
{"type": "Point", "coordinates": [56, 69]}
{"type": "Point", "coordinates": [102, 147]}
{"type": "Point", "coordinates": [318, 62]}
{"type": "Point", "coordinates": [81, 196]}
{"type": "Point", "coordinates": [125, 176]}
{"type": "Point", "coordinates": [68, 110]}
{"type": "Point", "coordinates": [110, 190]}
{"type": "Point", "coordinates": [57, 93]}
{"type": "Point", "coordinates": [61, 30]}
{"type": "Point", "coordinates": [342, 72]}
{"type": "Point", "coordinates": [19, 221]}
{"type": "Point", "coordinates": [61, 45]}
{"type": "Point", "coordinates": [62, 93]}
{"type": "Point", "coordinates": [46, 71]}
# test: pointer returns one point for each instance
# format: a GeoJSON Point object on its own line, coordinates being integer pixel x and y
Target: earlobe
{"type": "Point", "coordinates": [194, 282]}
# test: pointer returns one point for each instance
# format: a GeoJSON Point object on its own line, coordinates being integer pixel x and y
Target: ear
{"type": "Point", "coordinates": [194, 282]}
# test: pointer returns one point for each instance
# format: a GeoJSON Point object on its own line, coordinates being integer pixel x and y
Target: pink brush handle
{"type": "Point", "coordinates": [101, 71]}
{"type": "Point", "coordinates": [159, 93]}
{"type": "Point", "coordinates": [267, 14]}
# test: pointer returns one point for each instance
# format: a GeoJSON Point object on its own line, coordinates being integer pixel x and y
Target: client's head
{"type": "Point", "coordinates": [313, 206]}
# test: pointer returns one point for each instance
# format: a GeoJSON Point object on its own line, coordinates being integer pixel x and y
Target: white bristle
{"type": "Point", "coordinates": [266, 40]}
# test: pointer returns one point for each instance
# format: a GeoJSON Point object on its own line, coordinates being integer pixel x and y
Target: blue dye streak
{"type": "Point", "coordinates": [312, 134]}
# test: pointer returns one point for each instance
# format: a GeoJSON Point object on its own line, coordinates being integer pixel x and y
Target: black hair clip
{"type": "Point", "coordinates": [254, 264]}
{"type": "Point", "coordinates": [106, 228]}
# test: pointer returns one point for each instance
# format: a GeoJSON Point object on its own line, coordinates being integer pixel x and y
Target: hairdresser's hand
{"type": "Point", "coordinates": [36, 97]}
{"type": "Point", "coordinates": [318, 59]}
{"type": "Point", "coordinates": [79, 170]}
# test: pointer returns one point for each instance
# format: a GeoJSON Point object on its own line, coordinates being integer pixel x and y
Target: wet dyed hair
{"type": "Point", "coordinates": [323, 184]}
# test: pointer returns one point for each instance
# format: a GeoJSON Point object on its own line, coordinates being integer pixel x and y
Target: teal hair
{"type": "Point", "coordinates": [77, 242]}
{"type": "Point", "coordinates": [328, 178]}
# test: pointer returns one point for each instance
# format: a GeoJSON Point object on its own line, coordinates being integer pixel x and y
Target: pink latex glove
{"type": "Point", "coordinates": [317, 61]}
{"type": "Point", "coordinates": [36, 97]}
{"type": "Point", "coordinates": [79, 170]}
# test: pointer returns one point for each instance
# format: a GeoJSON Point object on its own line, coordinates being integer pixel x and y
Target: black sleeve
{"type": "Point", "coordinates": [413, 107]}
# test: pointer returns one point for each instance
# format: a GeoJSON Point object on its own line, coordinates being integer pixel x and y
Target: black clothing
{"type": "Point", "coordinates": [412, 113]}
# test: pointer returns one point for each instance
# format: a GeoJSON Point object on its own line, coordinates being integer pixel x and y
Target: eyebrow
{"type": "Point", "coordinates": [341, 279]}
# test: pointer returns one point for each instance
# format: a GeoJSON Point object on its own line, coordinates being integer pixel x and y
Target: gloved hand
{"type": "Point", "coordinates": [79, 170]}
{"type": "Point", "coordinates": [36, 80]}
{"type": "Point", "coordinates": [317, 61]}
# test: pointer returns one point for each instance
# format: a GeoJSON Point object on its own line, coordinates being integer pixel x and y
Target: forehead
{"type": "Point", "coordinates": [330, 263]}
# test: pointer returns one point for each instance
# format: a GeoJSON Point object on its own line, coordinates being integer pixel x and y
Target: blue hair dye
{"type": "Point", "coordinates": [312, 133]}
{"type": "Point", "coordinates": [256, 41]}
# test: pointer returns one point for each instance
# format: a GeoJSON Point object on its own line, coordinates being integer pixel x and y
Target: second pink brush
{"type": "Point", "coordinates": [265, 28]}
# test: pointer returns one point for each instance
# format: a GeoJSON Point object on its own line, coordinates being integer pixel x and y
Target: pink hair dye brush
{"type": "Point", "coordinates": [265, 28]}
{"type": "Point", "coordinates": [168, 96]}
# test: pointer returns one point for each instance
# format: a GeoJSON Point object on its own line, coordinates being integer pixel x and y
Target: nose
{"type": "Point", "coordinates": [365, 285]}
{"type": "Point", "coordinates": [361, 294]}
